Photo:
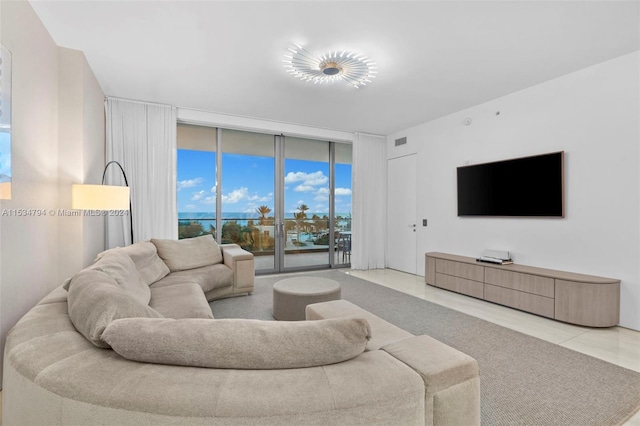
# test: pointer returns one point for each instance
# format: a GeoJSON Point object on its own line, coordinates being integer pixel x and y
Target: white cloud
{"type": "Point", "coordinates": [258, 199]}
{"type": "Point", "coordinates": [321, 197]}
{"type": "Point", "coordinates": [323, 193]}
{"type": "Point", "coordinates": [190, 206]}
{"type": "Point", "coordinates": [240, 194]}
{"type": "Point", "coordinates": [189, 183]}
{"type": "Point", "coordinates": [303, 188]}
{"type": "Point", "coordinates": [197, 196]}
{"type": "Point", "coordinates": [293, 177]}
{"type": "Point", "coordinates": [235, 196]}
{"type": "Point", "coordinates": [307, 179]}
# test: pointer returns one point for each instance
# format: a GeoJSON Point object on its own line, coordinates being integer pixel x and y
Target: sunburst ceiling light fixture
{"type": "Point", "coordinates": [354, 69]}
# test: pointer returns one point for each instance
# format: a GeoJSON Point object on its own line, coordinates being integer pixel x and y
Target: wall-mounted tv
{"type": "Point", "coordinates": [529, 186]}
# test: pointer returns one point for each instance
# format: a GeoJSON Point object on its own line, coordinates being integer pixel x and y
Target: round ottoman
{"type": "Point", "coordinates": [292, 295]}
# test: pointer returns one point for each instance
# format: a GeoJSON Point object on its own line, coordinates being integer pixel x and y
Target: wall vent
{"type": "Point", "coordinates": [401, 141]}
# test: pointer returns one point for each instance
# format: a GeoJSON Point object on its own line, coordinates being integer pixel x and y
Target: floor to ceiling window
{"type": "Point", "coordinates": [342, 202]}
{"type": "Point", "coordinates": [285, 199]}
{"type": "Point", "coordinates": [306, 202]}
{"type": "Point", "coordinates": [247, 197]}
{"type": "Point", "coordinates": [196, 183]}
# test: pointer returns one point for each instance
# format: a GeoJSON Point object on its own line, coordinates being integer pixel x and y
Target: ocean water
{"type": "Point", "coordinates": [208, 218]}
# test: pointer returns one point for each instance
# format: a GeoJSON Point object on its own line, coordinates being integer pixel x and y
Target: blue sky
{"type": "Point", "coordinates": [248, 183]}
{"type": "Point", "coordinates": [5, 153]}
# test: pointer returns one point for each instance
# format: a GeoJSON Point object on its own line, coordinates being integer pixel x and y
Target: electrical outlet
{"type": "Point", "coordinates": [424, 222]}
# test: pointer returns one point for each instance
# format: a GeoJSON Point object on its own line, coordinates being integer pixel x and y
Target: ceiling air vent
{"type": "Point", "coordinates": [401, 141]}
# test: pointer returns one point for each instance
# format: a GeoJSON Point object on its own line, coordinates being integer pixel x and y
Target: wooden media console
{"type": "Point", "coordinates": [565, 296]}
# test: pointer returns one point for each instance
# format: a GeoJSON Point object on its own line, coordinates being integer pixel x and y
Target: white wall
{"type": "Point", "coordinates": [26, 244]}
{"type": "Point", "coordinates": [57, 133]}
{"type": "Point", "coordinates": [81, 134]}
{"type": "Point", "coordinates": [594, 116]}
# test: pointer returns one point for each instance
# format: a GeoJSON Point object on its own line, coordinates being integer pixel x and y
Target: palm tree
{"type": "Point", "coordinates": [303, 210]}
{"type": "Point", "coordinates": [300, 222]}
{"type": "Point", "coordinates": [316, 223]}
{"type": "Point", "coordinates": [263, 211]}
{"type": "Point", "coordinates": [300, 218]}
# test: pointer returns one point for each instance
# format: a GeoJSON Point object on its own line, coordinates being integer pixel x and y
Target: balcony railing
{"type": "Point", "coordinates": [257, 235]}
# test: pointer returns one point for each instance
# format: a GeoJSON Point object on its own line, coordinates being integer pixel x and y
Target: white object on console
{"type": "Point", "coordinates": [497, 254]}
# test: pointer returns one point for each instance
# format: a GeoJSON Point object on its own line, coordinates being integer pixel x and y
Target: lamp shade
{"type": "Point", "coordinates": [99, 197]}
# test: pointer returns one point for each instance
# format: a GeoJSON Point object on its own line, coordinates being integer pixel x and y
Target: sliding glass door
{"type": "Point", "coordinates": [285, 199]}
{"type": "Point", "coordinates": [306, 203]}
{"type": "Point", "coordinates": [248, 194]}
{"type": "Point", "coordinates": [341, 207]}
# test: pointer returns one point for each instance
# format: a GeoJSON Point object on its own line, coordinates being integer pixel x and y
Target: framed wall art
{"type": "Point", "coordinates": [5, 123]}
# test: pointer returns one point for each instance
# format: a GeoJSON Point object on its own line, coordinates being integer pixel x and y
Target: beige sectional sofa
{"type": "Point", "coordinates": [131, 340]}
{"type": "Point", "coordinates": [451, 378]}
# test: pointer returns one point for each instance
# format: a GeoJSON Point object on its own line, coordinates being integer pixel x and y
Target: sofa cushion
{"type": "Point", "coordinates": [95, 299]}
{"type": "Point", "coordinates": [119, 266]}
{"type": "Point", "coordinates": [145, 256]}
{"type": "Point", "coordinates": [208, 277]}
{"type": "Point", "coordinates": [184, 300]}
{"type": "Point", "coordinates": [188, 253]}
{"type": "Point", "coordinates": [238, 343]}
{"type": "Point", "coordinates": [385, 332]}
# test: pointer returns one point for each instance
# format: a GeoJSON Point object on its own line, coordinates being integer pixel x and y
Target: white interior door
{"type": "Point", "coordinates": [401, 213]}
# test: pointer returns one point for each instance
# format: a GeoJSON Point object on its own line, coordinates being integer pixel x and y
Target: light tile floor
{"type": "Point", "coordinates": [617, 345]}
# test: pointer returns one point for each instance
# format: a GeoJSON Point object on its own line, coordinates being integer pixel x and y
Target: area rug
{"type": "Point", "coordinates": [523, 380]}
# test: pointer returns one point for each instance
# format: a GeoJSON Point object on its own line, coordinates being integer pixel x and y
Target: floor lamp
{"type": "Point", "coordinates": [103, 197]}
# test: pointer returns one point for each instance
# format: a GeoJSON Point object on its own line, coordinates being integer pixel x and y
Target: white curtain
{"type": "Point", "coordinates": [369, 202]}
{"type": "Point", "coordinates": [142, 138]}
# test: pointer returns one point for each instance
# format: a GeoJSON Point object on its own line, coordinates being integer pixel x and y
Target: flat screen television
{"type": "Point", "coordinates": [529, 186]}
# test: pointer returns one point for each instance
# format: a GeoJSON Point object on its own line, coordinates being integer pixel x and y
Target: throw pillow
{"type": "Point", "coordinates": [238, 343]}
{"type": "Point", "coordinates": [65, 284]}
{"type": "Point", "coordinates": [119, 266]}
{"type": "Point", "coordinates": [145, 256]}
{"type": "Point", "coordinates": [95, 299]}
{"type": "Point", "coordinates": [189, 253]}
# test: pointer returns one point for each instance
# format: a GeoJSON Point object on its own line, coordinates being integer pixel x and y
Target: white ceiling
{"type": "Point", "coordinates": [433, 57]}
